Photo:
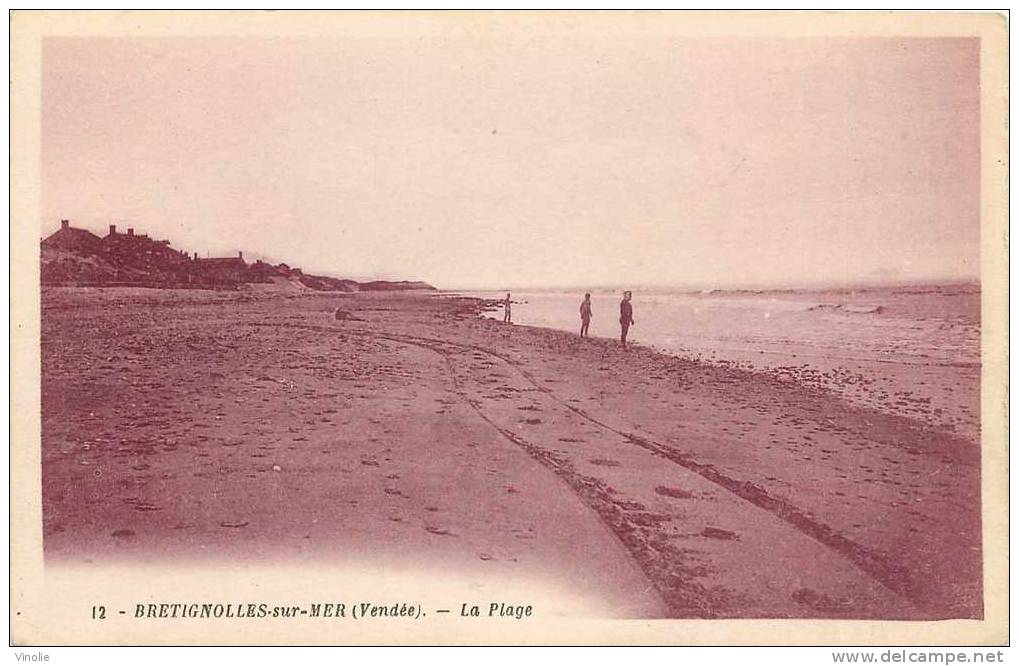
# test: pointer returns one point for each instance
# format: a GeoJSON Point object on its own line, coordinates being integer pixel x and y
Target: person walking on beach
{"type": "Point", "coordinates": [625, 317]}
{"type": "Point", "coordinates": [585, 315]}
{"type": "Point", "coordinates": [507, 314]}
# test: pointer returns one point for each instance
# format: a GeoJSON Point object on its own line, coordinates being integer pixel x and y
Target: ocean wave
{"type": "Point", "coordinates": [851, 309]}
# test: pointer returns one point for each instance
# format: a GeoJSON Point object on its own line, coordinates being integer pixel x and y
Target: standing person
{"type": "Point", "coordinates": [507, 314]}
{"type": "Point", "coordinates": [625, 316]}
{"type": "Point", "coordinates": [585, 315]}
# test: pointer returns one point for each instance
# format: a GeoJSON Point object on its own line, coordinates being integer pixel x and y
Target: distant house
{"type": "Point", "coordinates": [288, 271]}
{"type": "Point", "coordinates": [220, 269]}
{"type": "Point", "coordinates": [72, 239]}
{"type": "Point", "coordinates": [79, 257]}
{"type": "Point", "coordinates": [140, 250]}
{"type": "Point", "coordinates": [261, 271]}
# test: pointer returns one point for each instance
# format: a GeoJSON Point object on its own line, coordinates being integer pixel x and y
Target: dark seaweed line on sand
{"type": "Point", "coordinates": [891, 576]}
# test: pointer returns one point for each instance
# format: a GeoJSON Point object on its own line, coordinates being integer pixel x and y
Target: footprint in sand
{"type": "Point", "coordinates": [628, 505]}
{"type": "Point", "coordinates": [647, 519]}
{"type": "Point", "coordinates": [604, 462]}
{"type": "Point", "coordinates": [718, 533]}
{"type": "Point", "coordinates": [820, 602]}
{"type": "Point", "coordinates": [120, 534]}
{"type": "Point", "coordinates": [678, 493]}
{"type": "Point", "coordinates": [438, 530]}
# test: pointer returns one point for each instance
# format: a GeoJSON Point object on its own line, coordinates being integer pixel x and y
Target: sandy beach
{"type": "Point", "coordinates": [201, 426]}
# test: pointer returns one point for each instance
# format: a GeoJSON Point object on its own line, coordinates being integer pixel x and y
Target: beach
{"type": "Point", "coordinates": [908, 350]}
{"type": "Point", "coordinates": [205, 426]}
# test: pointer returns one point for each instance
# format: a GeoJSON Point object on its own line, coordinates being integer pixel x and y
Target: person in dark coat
{"type": "Point", "coordinates": [625, 317]}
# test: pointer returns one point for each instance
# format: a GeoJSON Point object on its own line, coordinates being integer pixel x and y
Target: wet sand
{"type": "Point", "coordinates": [200, 426]}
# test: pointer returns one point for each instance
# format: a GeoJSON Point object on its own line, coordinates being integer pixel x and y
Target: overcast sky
{"type": "Point", "coordinates": [502, 160]}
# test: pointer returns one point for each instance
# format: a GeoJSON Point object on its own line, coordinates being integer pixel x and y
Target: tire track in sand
{"type": "Point", "coordinates": [675, 582]}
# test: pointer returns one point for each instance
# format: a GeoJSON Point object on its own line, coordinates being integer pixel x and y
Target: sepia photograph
{"type": "Point", "coordinates": [515, 320]}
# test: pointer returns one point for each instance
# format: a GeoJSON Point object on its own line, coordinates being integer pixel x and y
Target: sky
{"type": "Point", "coordinates": [513, 159]}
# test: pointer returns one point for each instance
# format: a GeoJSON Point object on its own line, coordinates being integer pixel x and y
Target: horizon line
{"type": "Point", "coordinates": [777, 286]}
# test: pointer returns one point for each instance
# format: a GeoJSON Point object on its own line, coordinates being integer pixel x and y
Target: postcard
{"type": "Point", "coordinates": [511, 328]}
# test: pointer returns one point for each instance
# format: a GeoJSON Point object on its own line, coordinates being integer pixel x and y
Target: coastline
{"type": "Point", "coordinates": [731, 493]}
{"type": "Point", "coordinates": [898, 350]}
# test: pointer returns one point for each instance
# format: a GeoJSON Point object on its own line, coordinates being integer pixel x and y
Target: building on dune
{"type": "Point", "coordinates": [77, 255]}
{"type": "Point", "coordinates": [73, 239]}
{"type": "Point", "coordinates": [128, 249]}
{"type": "Point", "coordinates": [219, 269]}
{"type": "Point", "coordinates": [141, 251]}
{"type": "Point", "coordinates": [74, 256]}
